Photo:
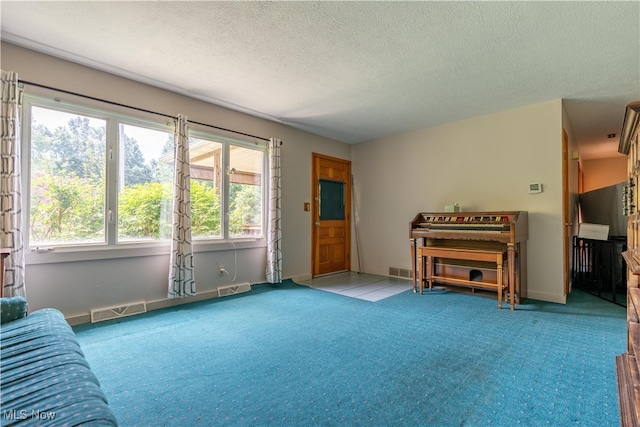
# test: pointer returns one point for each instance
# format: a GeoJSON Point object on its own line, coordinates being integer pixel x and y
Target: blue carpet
{"type": "Point", "coordinates": [290, 355]}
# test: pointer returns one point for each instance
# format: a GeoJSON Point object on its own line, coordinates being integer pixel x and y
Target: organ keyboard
{"type": "Point", "coordinates": [506, 231]}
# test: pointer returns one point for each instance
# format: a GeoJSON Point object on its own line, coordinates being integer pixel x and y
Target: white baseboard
{"type": "Point", "coordinates": [301, 277]}
{"type": "Point", "coordinates": [545, 296]}
{"type": "Point", "coordinates": [152, 305]}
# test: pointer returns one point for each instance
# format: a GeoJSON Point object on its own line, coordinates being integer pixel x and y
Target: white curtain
{"type": "Point", "coordinates": [181, 278]}
{"type": "Point", "coordinates": [274, 238]}
{"type": "Point", "coordinates": [11, 237]}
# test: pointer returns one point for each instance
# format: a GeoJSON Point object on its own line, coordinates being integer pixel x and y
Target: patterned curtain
{"type": "Point", "coordinates": [11, 237]}
{"type": "Point", "coordinates": [274, 242]}
{"type": "Point", "coordinates": [181, 278]}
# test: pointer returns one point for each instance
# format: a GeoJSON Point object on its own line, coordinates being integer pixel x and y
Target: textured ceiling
{"type": "Point", "coordinates": [355, 71]}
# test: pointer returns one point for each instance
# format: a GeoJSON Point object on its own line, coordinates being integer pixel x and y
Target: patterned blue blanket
{"type": "Point", "coordinates": [45, 379]}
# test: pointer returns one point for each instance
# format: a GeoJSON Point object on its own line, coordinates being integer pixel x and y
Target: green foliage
{"type": "Point", "coordinates": [140, 211]}
{"type": "Point", "coordinates": [66, 209]}
{"type": "Point", "coordinates": [68, 183]}
{"type": "Point", "coordinates": [245, 207]}
{"type": "Point", "coordinates": [77, 149]}
{"type": "Point", "coordinates": [140, 218]}
{"type": "Point", "coordinates": [205, 209]}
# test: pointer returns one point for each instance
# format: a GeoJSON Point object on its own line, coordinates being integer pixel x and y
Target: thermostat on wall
{"type": "Point", "coordinates": [535, 187]}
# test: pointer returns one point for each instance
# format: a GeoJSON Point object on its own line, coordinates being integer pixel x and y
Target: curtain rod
{"type": "Point", "coordinates": [134, 108]}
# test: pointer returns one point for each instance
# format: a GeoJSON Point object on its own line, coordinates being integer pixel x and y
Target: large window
{"type": "Point", "coordinates": [97, 178]}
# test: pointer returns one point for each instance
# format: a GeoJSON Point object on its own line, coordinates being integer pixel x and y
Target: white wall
{"type": "Point", "coordinates": [75, 287]}
{"type": "Point", "coordinates": [484, 164]}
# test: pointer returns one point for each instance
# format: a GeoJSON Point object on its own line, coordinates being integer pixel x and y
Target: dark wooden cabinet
{"type": "Point", "coordinates": [627, 367]}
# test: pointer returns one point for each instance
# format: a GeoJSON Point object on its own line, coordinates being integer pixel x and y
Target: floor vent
{"type": "Point", "coordinates": [223, 291]}
{"type": "Point", "coordinates": [400, 272]}
{"type": "Point", "coordinates": [108, 313]}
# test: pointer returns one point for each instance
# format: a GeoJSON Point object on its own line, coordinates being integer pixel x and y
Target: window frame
{"type": "Point", "coordinates": [111, 248]}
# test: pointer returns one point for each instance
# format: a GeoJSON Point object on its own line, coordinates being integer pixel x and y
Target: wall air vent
{"type": "Point", "coordinates": [108, 313]}
{"type": "Point", "coordinates": [400, 272]}
{"type": "Point", "coordinates": [224, 291]}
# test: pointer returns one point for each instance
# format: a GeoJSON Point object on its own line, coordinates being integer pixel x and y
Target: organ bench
{"type": "Point", "coordinates": [427, 272]}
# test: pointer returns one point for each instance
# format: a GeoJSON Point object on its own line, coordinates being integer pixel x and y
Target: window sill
{"type": "Point", "coordinates": [59, 255]}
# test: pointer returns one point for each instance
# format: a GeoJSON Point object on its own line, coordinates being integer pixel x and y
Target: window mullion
{"type": "Point", "coordinates": [225, 191]}
{"type": "Point", "coordinates": [113, 167]}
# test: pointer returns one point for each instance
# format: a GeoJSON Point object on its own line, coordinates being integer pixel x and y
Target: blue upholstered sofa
{"type": "Point", "coordinates": [45, 379]}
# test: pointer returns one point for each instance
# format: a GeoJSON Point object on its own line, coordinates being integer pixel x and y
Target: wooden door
{"type": "Point", "coordinates": [331, 215]}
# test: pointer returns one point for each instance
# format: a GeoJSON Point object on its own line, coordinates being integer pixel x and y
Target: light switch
{"type": "Point", "coordinates": [307, 206]}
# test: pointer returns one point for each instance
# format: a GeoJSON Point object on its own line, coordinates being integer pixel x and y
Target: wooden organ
{"type": "Point", "coordinates": [459, 242]}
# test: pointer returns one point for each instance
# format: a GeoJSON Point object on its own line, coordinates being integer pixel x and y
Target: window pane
{"type": "Point", "coordinates": [145, 184]}
{"type": "Point", "coordinates": [67, 178]}
{"type": "Point", "coordinates": [205, 187]}
{"type": "Point", "coordinates": [245, 192]}
{"type": "Point", "coordinates": [331, 200]}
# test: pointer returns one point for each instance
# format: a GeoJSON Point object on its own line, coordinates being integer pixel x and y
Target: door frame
{"type": "Point", "coordinates": [567, 224]}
